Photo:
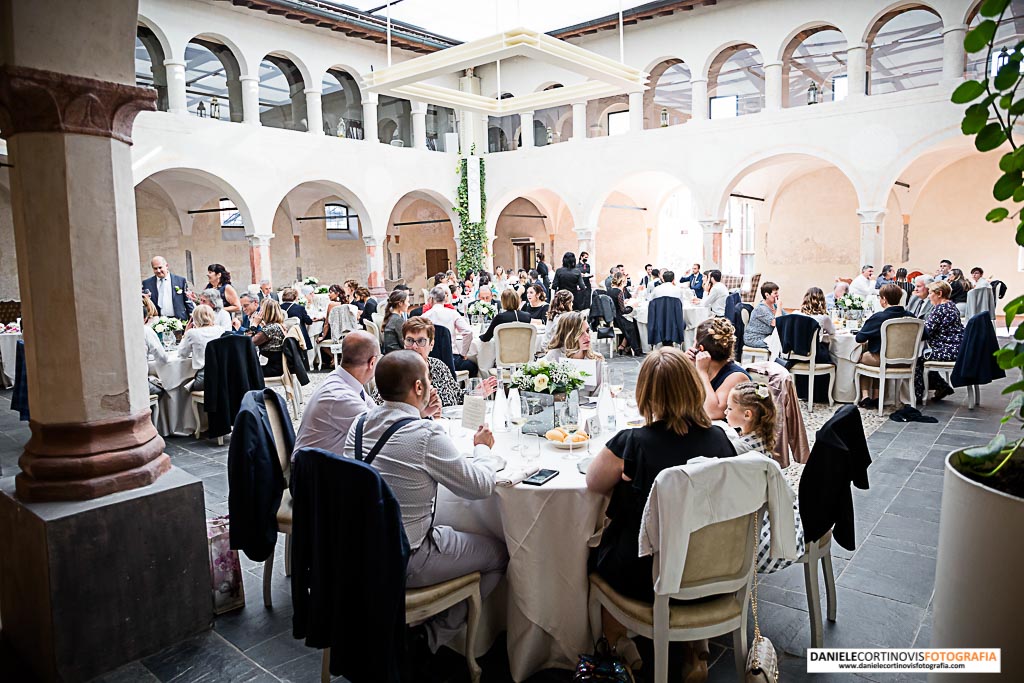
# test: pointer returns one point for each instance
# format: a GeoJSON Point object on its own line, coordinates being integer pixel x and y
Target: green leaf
{"type": "Point", "coordinates": [990, 137]}
{"type": "Point", "coordinates": [1020, 237]}
{"type": "Point", "coordinates": [997, 214]}
{"type": "Point", "coordinates": [1005, 186]}
{"type": "Point", "coordinates": [978, 38]}
{"type": "Point", "coordinates": [974, 122]}
{"type": "Point", "coordinates": [1017, 108]}
{"type": "Point", "coordinates": [1007, 75]}
{"type": "Point", "coordinates": [993, 8]}
{"type": "Point", "coordinates": [1015, 404]}
{"type": "Point", "coordinates": [989, 450]}
{"type": "Point", "coordinates": [1005, 101]}
{"type": "Point", "coordinates": [968, 91]}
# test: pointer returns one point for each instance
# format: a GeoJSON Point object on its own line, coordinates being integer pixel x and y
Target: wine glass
{"type": "Point", "coordinates": [517, 416]}
{"type": "Point", "coordinates": [615, 381]}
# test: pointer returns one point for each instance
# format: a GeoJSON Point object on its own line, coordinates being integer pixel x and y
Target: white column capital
{"type": "Point", "coordinates": [312, 91]}
{"type": "Point", "coordinates": [954, 27]}
{"type": "Point", "coordinates": [699, 80]}
{"type": "Point", "coordinates": [259, 240]}
{"type": "Point", "coordinates": [712, 225]}
{"type": "Point", "coordinates": [174, 62]}
{"type": "Point", "coordinates": [369, 98]}
{"type": "Point", "coordinates": [246, 78]}
{"type": "Point", "coordinates": [371, 241]}
{"type": "Point", "coordinates": [772, 65]}
{"type": "Point", "coordinates": [417, 107]}
{"type": "Point", "coordinates": [858, 46]}
{"type": "Point", "coordinates": [871, 216]}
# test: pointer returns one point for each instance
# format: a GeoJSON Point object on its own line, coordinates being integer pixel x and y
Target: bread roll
{"type": "Point", "coordinates": [555, 435]}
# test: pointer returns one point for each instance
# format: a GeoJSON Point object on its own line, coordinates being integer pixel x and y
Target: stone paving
{"type": "Point", "coordinates": [884, 587]}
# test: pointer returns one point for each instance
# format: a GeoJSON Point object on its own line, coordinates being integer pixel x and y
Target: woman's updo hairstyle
{"type": "Point", "coordinates": [718, 337]}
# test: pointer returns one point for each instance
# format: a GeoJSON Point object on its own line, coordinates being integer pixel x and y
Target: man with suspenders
{"type": "Point", "coordinates": [414, 455]}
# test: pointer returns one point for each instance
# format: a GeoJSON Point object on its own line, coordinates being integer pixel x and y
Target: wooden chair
{"type": "Point", "coordinates": [819, 552]}
{"type": "Point", "coordinates": [901, 343]}
{"type": "Point", "coordinates": [284, 512]}
{"type": "Point", "coordinates": [811, 369]}
{"type": "Point", "coordinates": [755, 353]}
{"type": "Point", "coordinates": [513, 345]}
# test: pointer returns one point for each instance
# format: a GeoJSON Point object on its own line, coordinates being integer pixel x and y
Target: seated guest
{"type": "Point", "coordinates": [713, 353]}
{"type": "Point", "coordinates": [762, 318]}
{"type": "Point", "coordinates": [290, 308]}
{"type": "Point", "coordinates": [645, 281]}
{"type": "Point", "coordinates": [221, 318]}
{"type": "Point", "coordinates": [945, 267]}
{"type": "Point", "coordinates": [418, 335]}
{"type": "Point", "coordinates": [521, 283]}
{"type": "Point", "coordinates": [249, 323]}
{"type": "Point", "coordinates": [510, 314]}
{"type": "Point", "coordinates": [717, 293]}
{"type": "Point", "coordinates": [456, 324]}
{"type": "Point", "coordinates": [838, 292]}
{"type": "Point", "coordinates": [535, 279]}
{"type": "Point", "coordinates": [571, 341]}
{"type": "Point", "coordinates": [337, 402]}
{"type": "Point", "coordinates": [309, 294]}
{"type": "Point", "coordinates": [394, 318]}
{"type": "Point", "coordinates": [871, 336]}
{"type": "Point", "coordinates": [193, 343]}
{"type": "Point", "coordinates": [696, 281]}
{"type": "Point", "coordinates": [535, 305]}
{"type": "Point", "coordinates": [154, 347]}
{"type": "Point", "coordinates": [978, 276]}
{"type": "Point", "coordinates": [814, 306]}
{"type": "Point", "coordinates": [350, 287]}
{"type": "Point", "coordinates": [562, 303]}
{"type": "Point", "coordinates": [655, 277]}
{"type": "Point", "coordinates": [335, 297]}
{"type": "Point", "coordinates": [668, 286]}
{"type": "Point", "coordinates": [944, 332]}
{"type": "Point", "coordinates": [919, 304]}
{"type": "Point", "coordinates": [888, 276]}
{"type": "Point", "coordinates": [671, 400]}
{"type": "Point", "coordinates": [414, 461]}
{"type": "Point", "coordinates": [270, 339]}
{"type": "Point", "coordinates": [485, 294]}
{"type": "Point", "coordinates": [366, 304]}
{"type": "Point", "coordinates": [630, 335]}
{"type": "Point", "coordinates": [903, 283]}
{"type": "Point", "coordinates": [959, 285]}
{"type": "Point", "coordinates": [863, 284]}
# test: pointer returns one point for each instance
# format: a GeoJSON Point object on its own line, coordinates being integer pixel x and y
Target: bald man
{"type": "Point", "coordinates": [341, 398]}
{"type": "Point", "coordinates": [169, 292]}
{"type": "Point", "coordinates": [414, 460]}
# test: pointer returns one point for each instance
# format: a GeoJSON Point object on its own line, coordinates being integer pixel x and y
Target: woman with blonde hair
{"type": "Point", "coordinates": [561, 302]}
{"type": "Point", "coordinates": [712, 354]}
{"type": "Point", "coordinates": [671, 398]}
{"type": "Point", "coordinates": [201, 332]}
{"type": "Point", "coordinates": [571, 341]}
{"type": "Point", "coordinates": [270, 339]}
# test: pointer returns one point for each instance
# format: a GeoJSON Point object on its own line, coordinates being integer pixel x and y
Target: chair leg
{"type": "Point", "coordinates": [594, 608]}
{"type": "Point", "coordinates": [830, 584]}
{"type": "Point", "coordinates": [220, 440]}
{"type": "Point", "coordinates": [810, 392]}
{"type": "Point", "coordinates": [739, 647]}
{"type": "Point", "coordinates": [268, 576]}
{"type": "Point", "coordinates": [924, 401]}
{"type": "Point", "coordinates": [881, 394]}
{"type": "Point", "coordinates": [661, 658]}
{"type": "Point", "coordinates": [831, 387]}
{"type": "Point", "coordinates": [813, 600]}
{"type": "Point", "coordinates": [287, 554]}
{"type": "Point", "coordinates": [472, 622]}
{"type": "Point", "coordinates": [325, 666]}
{"type": "Point", "coordinates": [195, 413]}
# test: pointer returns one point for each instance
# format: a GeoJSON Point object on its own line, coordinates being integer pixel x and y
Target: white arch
{"type": "Point", "coordinates": [555, 201]}
{"type": "Point", "coordinates": [714, 54]}
{"type": "Point", "coordinates": [201, 177]}
{"type": "Point", "coordinates": [899, 6]}
{"type": "Point", "coordinates": [910, 155]}
{"type": "Point", "coordinates": [663, 181]}
{"type": "Point", "coordinates": [244, 67]}
{"type": "Point", "coordinates": [307, 76]}
{"type": "Point", "coordinates": [161, 37]}
{"type": "Point", "coordinates": [819, 25]}
{"type": "Point", "coordinates": [342, 191]}
{"type": "Point", "coordinates": [402, 199]}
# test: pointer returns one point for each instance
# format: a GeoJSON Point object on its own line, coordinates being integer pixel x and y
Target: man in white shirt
{"type": "Point", "coordinates": [167, 291]}
{"type": "Point", "coordinates": [717, 294]}
{"type": "Point", "coordinates": [945, 266]}
{"type": "Point", "coordinates": [453, 321]}
{"type": "Point", "coordinates": [864, 284]}
{"type": "Point", "coordinates": [413, 461]}
{"type": "Point", "coordinates": [668, 287]}
{"type": "Point", "coordinates": [341, 398]}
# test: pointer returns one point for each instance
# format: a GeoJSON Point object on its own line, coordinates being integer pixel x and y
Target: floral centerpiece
{"type": "Point", "coordinates": [166, 324]}
{"type": "Point", "coordinates": [321, 290]}
{"type": "Point", "coordinates": [545, 385]}
{"type": "Point", "coordinates": [311, 281]}
{"type": "Point", "coordinates": [482, 308]}
{"type": "Point", "coordinates": [852, 306]}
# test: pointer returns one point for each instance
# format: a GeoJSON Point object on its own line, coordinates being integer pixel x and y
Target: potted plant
{"type": "Point", "coordinates": [978, 593]}
{"type": "Point", "coordinates": [544, 385]}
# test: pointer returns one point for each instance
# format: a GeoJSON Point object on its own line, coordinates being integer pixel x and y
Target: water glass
{"type": "Point", "coordinates": [531, 446]}
{"type": "Point", "coordinates": [475, 387]}
{"type": "Point", "coordinates": [517, 413]}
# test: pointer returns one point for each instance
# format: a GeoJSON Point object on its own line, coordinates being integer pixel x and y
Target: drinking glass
{"type": "Point", "coordinates": [475, 387]}
{"type": "Point", "coordinates": [531, 446]}
{"type": "Point", "coordinates": [615, 381]}
{"type": "Point", "coordinates": [517, 412]}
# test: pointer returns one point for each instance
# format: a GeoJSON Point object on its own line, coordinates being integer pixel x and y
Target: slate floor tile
{"type": "Point", "coordinates": [279, 650]}
{"type": "Point", "coordinates": [206, 657]}
{"type": "Point", "coordinates": [917, 504]}
{"type": "Point", "coordinates": [893, 574]}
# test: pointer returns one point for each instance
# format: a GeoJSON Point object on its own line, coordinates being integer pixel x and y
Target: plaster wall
{"type": "Point", "coordinates": [622, 237]}
{"type": "Point", "coordinates": [411, 242]}
{"type": "Point", "coordinates": [9, 289]}
{"type": "Point", "coordinates": [510, 226]}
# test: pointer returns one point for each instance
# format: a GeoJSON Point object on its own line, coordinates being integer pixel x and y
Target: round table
{"type": "Point", "coordinates": [175, 417]}
{"type": "Point", "coordinates": [8, 355]}
{"type": "Point", "coordinates": [549, 531]}
{"type": "Point", "coordinates": [846, 353]}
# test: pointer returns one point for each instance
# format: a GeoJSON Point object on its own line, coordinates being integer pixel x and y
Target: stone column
{"type": "Point", "coordinates": [526, 129]}
{"type": "Point", "coordinates": [177, 102]}
{"type": "Point", "coordinates": [857, 69]}
{"type": "Point", "coordinates": [586, 241]}
{"type": "Point", "coordinates": [250, 100]}
{"type": "Point", "coordinates": [872, 237]}
{"type": "Point", "coordinates": [259, 257]}
{"type": "Point", "coordinates": [636, 112]}
{"type": "Point", "coordinates": [419, 124]}
{"type": "Point", "coordinates": [579, 121]}
{"type": "Point", "coordinates": [700, 98]}
{"type": "Point", "coordinates": [314, 112]}
{"type": "Point", "coordinates": [954, 58]}
{"type": "Point", "coordinates": [712, 243]}
{"type": "Point", "coordinates": [370, 117]}
{"type": "Point", "coordinates": [374, 267]}
{"type": "Point", "coordinates": [773, 86]}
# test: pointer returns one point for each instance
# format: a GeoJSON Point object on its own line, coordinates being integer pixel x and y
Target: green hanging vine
{"type": "Point", "coordinates": [472, 236]}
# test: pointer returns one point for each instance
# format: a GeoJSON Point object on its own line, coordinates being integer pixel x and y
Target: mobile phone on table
{"type": "Point", "coordinates": [541, 477]}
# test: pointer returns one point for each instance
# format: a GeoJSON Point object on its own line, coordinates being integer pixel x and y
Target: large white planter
{"type": "Point", "coordinates": [979, 578]}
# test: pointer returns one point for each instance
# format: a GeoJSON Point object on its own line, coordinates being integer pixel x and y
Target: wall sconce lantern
{"type": "Point", "coordinates": [813, 94]}
{"type": "Point", "coordinates": [201, 110]}
{"type": "Point", "coordinates": [214, 108]}
{"type": "Point", "coordinates": [664, 117]}
{"type": "Point", "coordinates": [551, 136]}
{"type": "Point", "coordinates": [1002, 59]}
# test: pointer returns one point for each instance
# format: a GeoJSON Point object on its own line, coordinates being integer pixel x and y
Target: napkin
{"type": "Point", "coordinates": [511, 477]}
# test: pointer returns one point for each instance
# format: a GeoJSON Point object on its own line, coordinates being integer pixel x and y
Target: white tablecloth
{"type": "Point", "coordinates": [845, 352]}
{"type": "Point", "coordinates": [547, 529]}
{"type": "Point", "coordinates": [692, 316]}
{"type": "Point", "coordinates": [175, 417]}
{"type": "Point", "coordinates": [8, 353]}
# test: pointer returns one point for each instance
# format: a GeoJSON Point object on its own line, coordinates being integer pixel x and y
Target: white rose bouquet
{"type": "Point", "coordinates": [483, 308]}
{"type": "Point", "coordinates": [311, 281]}
{"type": "Point", "coordinates": [544, 376]}
{"type": "Point", "coordinates": [165, 324]}
{"type": "Point", "coordinates": [851, 302]}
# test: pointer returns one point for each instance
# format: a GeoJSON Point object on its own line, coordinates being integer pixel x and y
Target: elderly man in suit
{"type": "Point", "coordinates": [267, 290]}
{"type": "Point", "coordinates": [169, 293]}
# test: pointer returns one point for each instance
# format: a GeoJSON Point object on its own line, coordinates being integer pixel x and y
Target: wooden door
{"type": "Point", "coordinates": [437, 262]}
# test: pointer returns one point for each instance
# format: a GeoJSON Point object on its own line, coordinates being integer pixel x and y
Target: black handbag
{"type": "Point", "coordinates": [602, 667]}
{"type": "Point", "coordinates": [605, 332]}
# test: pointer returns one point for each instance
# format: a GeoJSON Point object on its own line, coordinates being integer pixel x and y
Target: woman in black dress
{"type": "Point", "coordinates": [670, 397]}
{"type": "Point", "coordinates": [535, 302]}
{"type": "Point", "coordinates": [568, 277]}
{"type": "Point", "coordinates": [510, 313]}
{"type": "Point", "coordinates": [588, 276]}
{"type": "Point", "coordinates": [631, 338]}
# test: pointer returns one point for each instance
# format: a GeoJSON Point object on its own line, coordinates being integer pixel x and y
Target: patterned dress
{"type": "Point", "coordinates": [441, 378]}
{"type": "Point", "coordinates": [765, 563]}
{"type": "Point", "coordinates": [944, 332]}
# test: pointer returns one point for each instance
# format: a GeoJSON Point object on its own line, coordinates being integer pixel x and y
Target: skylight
{"type": "Point", "coordinates": [468, 20]}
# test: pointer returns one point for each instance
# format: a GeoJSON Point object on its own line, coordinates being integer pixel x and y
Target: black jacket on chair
{"type": "Point", "coordinates": [232, 370]}
{"type": "Point", "coordinates": [294, 310]}
{"type": "Point", "coordinates": [871, 332]}
{"type": "Point", "coordinates": [443, 347]}
{"type": "Point", "coordinates": [665, 321]}
{"type": "Point", "coordinates": [602, 309]}
{"type": "Point", "coordinates": [733, 302]}
{"type": "Point", "coordinates": [839, 458]}
{"type": "Point", "coordinates": [975, 364]}
{"type": "Point", "coordinates": [294, 357]}
{"type": "Point", "coordinates": [255, 480]}
{"type": "Point", "coordinates": [348, 576]}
